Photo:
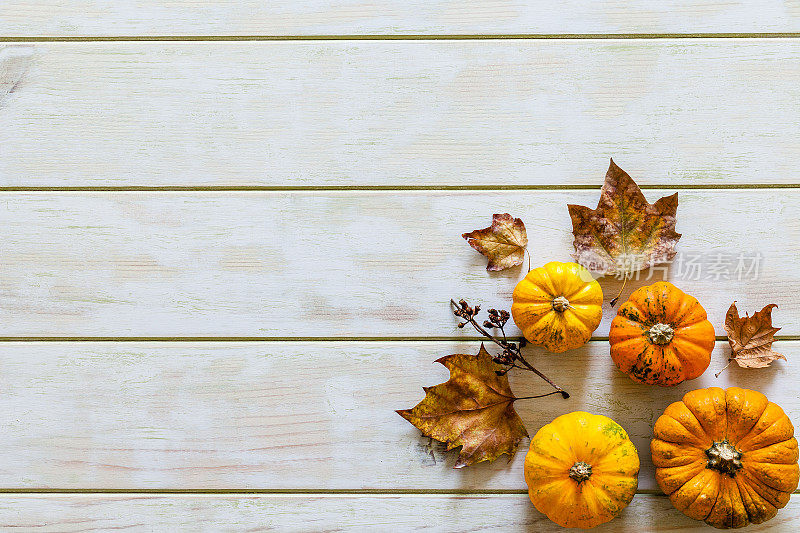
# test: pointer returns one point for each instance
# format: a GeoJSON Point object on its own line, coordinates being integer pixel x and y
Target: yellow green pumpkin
{"type": "Point", "coordinates": [581, 470]}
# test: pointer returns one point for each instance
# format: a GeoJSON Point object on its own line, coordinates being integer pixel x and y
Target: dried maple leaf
{"type": "Point", "coordinates": [751, 337]}
{"type": "Point", "coordinates": [503, 242]}
{"type": "Point", "coordinates": [473, 409]}
{"type": "Point", "coordinates": [625, 233]}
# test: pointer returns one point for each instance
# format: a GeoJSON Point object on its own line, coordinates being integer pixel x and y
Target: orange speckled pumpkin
{"type": "Point", "coordinates": [728, 457]}
{"type": "Point", "coordinates": [581, 470]}
{"type": "Point", "coordinates": [661, 336]}
{"type": "Point", "coordinates": [558, 306]}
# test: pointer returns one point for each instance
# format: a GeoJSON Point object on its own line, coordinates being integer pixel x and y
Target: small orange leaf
{"type": "Point", "coordinates": [473, 409]}
{"type": "Point", "coordinates": [625, 233]}
{"type": "Point", "coordinates": [503, 242]}
{"type": "Point", "coordinates": [751, 337]}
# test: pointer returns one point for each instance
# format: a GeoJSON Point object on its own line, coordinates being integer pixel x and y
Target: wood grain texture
{"type": "Point", "coordinates": [315, 17]}
{"type": "Point", "coordinates": [293, 415]}
{"type": "Point", "coordinates": [14, 64]}
{"type": "Point", "coordinates": [311, 114]}
{"type": "Point", "coordinates": [322, 514]}
{"type": "Point", "coordinates": [342, 264]}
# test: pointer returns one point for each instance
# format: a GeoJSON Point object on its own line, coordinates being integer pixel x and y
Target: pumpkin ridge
{"type": "Point", "coordinates": [753, 474]}
{"type": "Point", "coordinates": [700, 421]}
{"type": "Point", "coordinates": [682, 323]}
{"type": "Point", "coordinates": [549, 283]}
{"type": "Point", "coordinates": [716, 498]}
{"type": "Point", "coordinates": [782, 443]}
{"type": "Point", "coordinates": [687, 361]}
{"type": "Point", "coordinates": [763, 490]}
{"type": "Point", "coordinates": [541, 317]}
{"type": "Point", "coordinates": [671, 355]}
{"type": "Point", "coordinates": [686, 339]}
{"type": "Point", "coordinates": [578, 295]}
{"type": "Point", "coordinates": [766, 507]}
{"type": "Point", "coordinates": [751, 435]}
{"type": "Point", "coordinates": [581, 317]}
{"type": "Point", "coordinates": [548, 463]}
{"type": "Point", "coordinates": [609, 497]}
{"type": "Point", "coordinates": [703, 441]}
{"type": "Point", "coordinates": [688, 504]}
{"type": "Point", "coordinates": [592, 503]}
{"type": "Point", "coordinates": [698, 463]}
{"type": "Point", "coordinates": [631, 340]}
{"type": "Point", "coordinates": [632, 303]}
{"type": "Point", "coordinates": [685, 304]}
{"type": "Point", "coordinates": [637, 327]}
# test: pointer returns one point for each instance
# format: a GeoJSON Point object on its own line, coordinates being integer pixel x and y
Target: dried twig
{"type": "Point", "coordinates": [511, 356]}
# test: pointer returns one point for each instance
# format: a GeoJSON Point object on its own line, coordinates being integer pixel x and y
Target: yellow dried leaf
{"type": "Point", "coordinates": [625, 233]}
{"type": "Point", "coordinates": [503, 242]}
{"type": "Point", "coordinates": [751, 337]}
{"type": "Point", "coordinates": [473, 409]}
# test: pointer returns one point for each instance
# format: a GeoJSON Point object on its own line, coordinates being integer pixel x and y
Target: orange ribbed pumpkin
{"type": "Point", "coordinates": [728, 457]}
{"type": "Point", "coordinates": [661, 336]}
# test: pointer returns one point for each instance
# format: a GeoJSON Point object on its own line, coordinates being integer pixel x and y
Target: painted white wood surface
{"type": "Point", "coordinates": [319, 415]}
{"type": "Point", "coordinates": [334, 513]}
{"type": "Point", "coordinates": [315, 17]}
{"type": "Point", "coordinates": [339, 264]}
{"type": "Point", "coordinates": [293, 415]}
{"type": "Point", "coordinates": [718, 111]}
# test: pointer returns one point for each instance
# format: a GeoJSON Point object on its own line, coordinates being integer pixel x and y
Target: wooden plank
{"type": "Point", "coordinates": [343, 264]}
{"type": "Point", "coordinates": [321, 513]}
{"type": "Point", "coordinates": [311, 114]}
{"type": "Point", "coordinates": [319, 17]}
{"type": "Point", "coordinates": [292, 415]}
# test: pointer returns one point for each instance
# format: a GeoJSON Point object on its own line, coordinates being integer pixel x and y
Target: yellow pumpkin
{"type": "Point", "coordinates": [558, 306]}
{"type": "Point", "coordinates": [581, 470]}
{"type": "Point", "coordinates": [728, 457]}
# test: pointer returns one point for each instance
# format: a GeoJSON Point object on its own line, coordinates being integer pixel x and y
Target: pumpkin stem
{"type": "Point", "coordinates": [660, 334]}
{"type": "Point", "coordinates": [580, 471]}
{"type": "Point", "coordinates": [560, 304]}
{"type": "Point", "coordinates": [615, 299]}
{"type": "Point", "coordinates": [723, 368]}
{"type": "Point", "coordinates": [724, 457]}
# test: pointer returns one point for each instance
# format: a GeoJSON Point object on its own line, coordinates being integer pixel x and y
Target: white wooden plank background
{"type": "Point", "coordinates": [330, 513]}
{"type": "Point", "coordinates": [315, 17]}
{"type": "Point", "coordinates": [317, 416]}
{"type": "Point", "coordinates": [492, 113]}
{"type": "Point", "coordinates": [293, 415]}
{"type": "Point", "coordinates": [339, 264]}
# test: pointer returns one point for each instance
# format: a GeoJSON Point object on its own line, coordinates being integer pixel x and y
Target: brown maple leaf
{"type": "Point", "coordinates": [751, 337]}
{"type": "Point", "coordinates": [625, 233]}
{"type": "Point", "coordinates": [503, 242]}
{"type": "Point", "coordinates": [473, 409]}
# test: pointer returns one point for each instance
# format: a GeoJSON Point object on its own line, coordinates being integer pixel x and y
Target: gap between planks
{"type": "Point", "coordinates": [280, 492]}
{"type": "Point", "coordinates": [470, 338]}
{"type": "Point", "coordinates": [330, 493]}
{"type": "Point", "coordinates": [378, 188]}
{"type": "Point", "coordinates": [401, 37]}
